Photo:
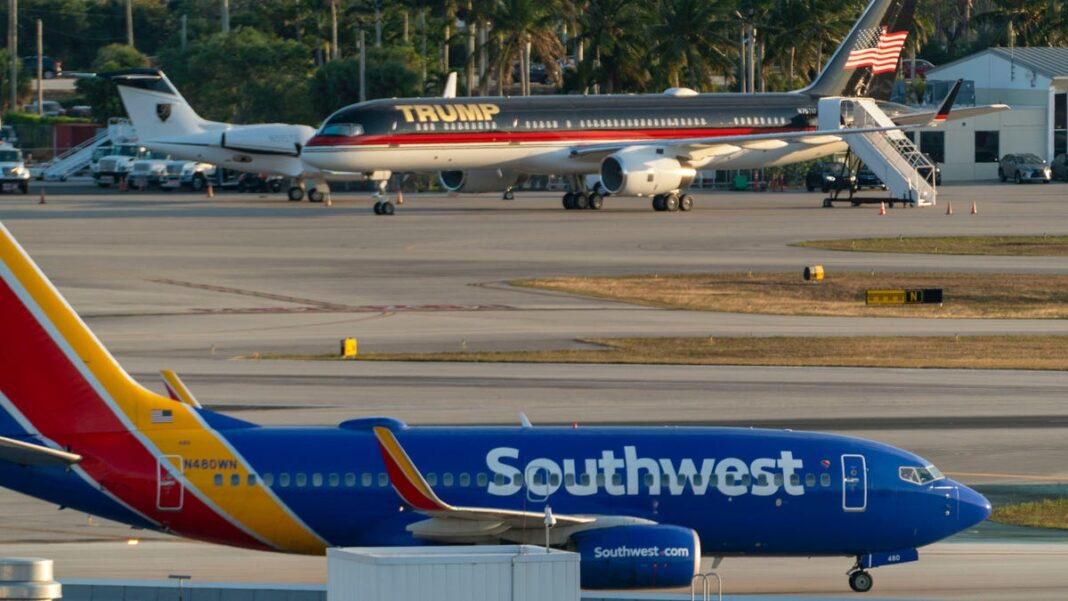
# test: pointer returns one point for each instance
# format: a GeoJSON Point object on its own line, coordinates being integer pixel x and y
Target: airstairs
{"type": "Point", "coordinates": [908, 174]}
{"type": "Point", "coordinates": [72, 161]}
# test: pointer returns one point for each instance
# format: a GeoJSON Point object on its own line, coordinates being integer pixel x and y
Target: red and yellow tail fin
{"type": "Point", "coordinates": [404, 476]}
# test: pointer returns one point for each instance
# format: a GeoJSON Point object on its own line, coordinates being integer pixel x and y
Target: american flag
{"type": "Point", "coordinates": [162, 416]}
{"type": "Point", "coordinates": [877, 49]}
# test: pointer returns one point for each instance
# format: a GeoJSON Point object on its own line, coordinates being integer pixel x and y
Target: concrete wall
{"type": "Point", "coordinates": [996, 81]}
{"type": "Point", "coordinates": [1022, 129]}
{"type": "Point", "coordinates": [134, 590]}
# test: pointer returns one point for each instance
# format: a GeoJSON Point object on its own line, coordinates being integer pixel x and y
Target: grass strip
{"type": "Point", "coordinates": [842, 293]}
{"type": "Point", "coordinates": [951, 352]}
{"type": "Point", "coordinates": [1031, 246]}
{"type": "Point", "coordinates": [1046, 513]}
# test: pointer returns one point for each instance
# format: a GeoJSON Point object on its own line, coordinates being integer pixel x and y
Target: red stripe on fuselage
{"type": "Point", "coordinates": [53, 395]}
{"type": "Point", "coordinates": [579, 137]}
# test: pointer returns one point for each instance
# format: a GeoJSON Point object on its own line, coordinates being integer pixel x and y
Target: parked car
{"type": "Point", "coordinates": [51, 108]}
{"type": "Point", "coordinates": [829, 175]}
{"type": "Point", "coordinates": [9, 136]}
{"type": "Point", "coordinates": [866, 178]}
{"type": "Point", "coordinates": [50, 66]}
{"type": "Point", "coordinates": [1025, 167]}
{"type": "Point", "coordinates": [83, 111]}
{"type": "Point", "coordinates": [1059, 168]}
{"type": "Point", "coordinates": [13, 172]}
{"type": "Point", "coordinates": [922, 67]}
{"type": "Point", "coordinates": [190, 175]}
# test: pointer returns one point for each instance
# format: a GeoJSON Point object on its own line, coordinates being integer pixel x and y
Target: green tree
{"type": "Point", "coordinates": [613, 32]}
{"type": "Point", "coordinates": [392, 72]}
{"type": "Point", "coordinates": [102, 94]}
{"type": "Point", "coordinates": [690, 37]}
{"type": "Point", "coordinates": [245, 77]}
{"type": "Point", "coordinates": [524, 29]}
{"type": "Point", "coordinates": [5, 81]}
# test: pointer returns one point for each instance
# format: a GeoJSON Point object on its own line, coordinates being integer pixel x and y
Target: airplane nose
{"type": "Point", "coordinates": [974, 507]}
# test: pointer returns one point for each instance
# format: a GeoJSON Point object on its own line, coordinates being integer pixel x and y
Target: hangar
{"type": "Point", "coordinates": [1033, 81]}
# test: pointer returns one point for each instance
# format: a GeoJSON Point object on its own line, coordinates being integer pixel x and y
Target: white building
{"type": "Point", "coordinates": [1033, 81]}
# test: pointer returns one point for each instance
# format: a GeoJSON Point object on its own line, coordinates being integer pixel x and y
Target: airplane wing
{"type": "Point", "coordinates": [958, 113]}
{"type": "Point", "coordinates": [452, 523]}
{"type": "Point", "coordinates": [29, 454]}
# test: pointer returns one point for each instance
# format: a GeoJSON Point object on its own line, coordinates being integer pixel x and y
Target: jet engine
{"type": "Point", "coordinates": [628, 557]}
{"type": "Point", "coordinates": [644, 171]}
{"type": "Point", "coordinates": [479, 180]}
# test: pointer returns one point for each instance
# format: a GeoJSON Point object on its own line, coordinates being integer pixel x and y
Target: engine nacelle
{"type": "Point", "coordinates": [644, 171]}
{"type": "Point", "coordinates": [628, 557]}
{"type": "Point", "coordinates": [277, 138]}
{"type": "Point", "coordinates": [479, 180]}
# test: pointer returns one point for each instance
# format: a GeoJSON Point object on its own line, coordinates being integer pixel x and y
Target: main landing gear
{"type": "Point", "coordinates": [672, 202]}
{"type": "Point", "coordinates": [579, 197]}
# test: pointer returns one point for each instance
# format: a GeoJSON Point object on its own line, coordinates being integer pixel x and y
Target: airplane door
{"type": "Point", "coordinates": [170, 494]}
{"type": "Point", "coordinates": [854, 483]}
{"type": "Point", "coordinates": [540, 483]}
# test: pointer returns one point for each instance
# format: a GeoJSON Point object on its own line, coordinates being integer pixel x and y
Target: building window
{"type": "Point", "coordinates": [934, 144]}
{"type": "Point", "coordinates": [1060, 124]}
{"type": "Point", "coordinates": [987, 146]}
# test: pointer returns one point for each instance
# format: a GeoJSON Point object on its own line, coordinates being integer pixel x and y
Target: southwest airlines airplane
{"type": "Point", "coordinates": [641, 505]}
{"type": "Point", "coordinates": [645, 145]}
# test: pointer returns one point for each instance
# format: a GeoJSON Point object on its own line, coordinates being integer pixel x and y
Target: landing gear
{"type": "Point", "coordinates": [860, 581]}
{"type": "Point", "coordinates": [295, 193]}
{"type": "Point", "coordinates": [582, 201]}
{"type": "Point", "coordinates": [672, 202]}
{"type": "Point", "coordinates": [596, 201]}
{"type": "Point", "coordinates": [384, 207]}
{"type": "Point", "coordinates": [686, 203]}
{"type": "Point", "coordinates": [508, 195]}
{"type": "Point", "coordinates": [579, 197]}
{"type": "Point", "coordinates": [316, 195]}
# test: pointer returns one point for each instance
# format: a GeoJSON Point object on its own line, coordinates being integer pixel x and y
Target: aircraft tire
{"type": "Point", "coordinates": [316, 196]}
{"type": "Point", "coordinates": [686, 203]}
{"type": "Point", "coordinates": [387, 208]}
{"type": "Point", "coordinates": [569, 201]}
{"type": "Point", "coordinates": [596, 201]}
{"type": "Point", "coordinates": [860, 581]}
{"type": "Point", "coordinates": [658, 202]}
{"type": "Point", "coordinates": [378, 208]}
{"type": "Point", "coordinates": [582, 201]}
{"type": "Point", "coordinates": [198, 183]}
{"type": "Point", "coordinates": [671, 203]}
{"type": "Point", "coordinates": [295, 193]}
{"type": "Point", "coordinates": [509, 195]}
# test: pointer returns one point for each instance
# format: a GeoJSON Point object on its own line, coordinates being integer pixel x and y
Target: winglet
{"type": "Point", "coordinates": [947, 105]}
{"type": "Point", "coordinates": [176, 388]}
{"type": "Point", "coordinates": [404, 476]}
{"type": "Point", "coordinates": [524, 421]}
{"type": "Point", "coordinates": [450, 86]}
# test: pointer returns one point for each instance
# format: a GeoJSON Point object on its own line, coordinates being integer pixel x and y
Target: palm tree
{"type": "Point", "coordinates": [614, 31]}
{"type": "Point", "coordinates": [1027, 22]}
{"type": "Point", "coordinates": [524, 28]}
{"type": "Point", "coordinates": [690, 36]}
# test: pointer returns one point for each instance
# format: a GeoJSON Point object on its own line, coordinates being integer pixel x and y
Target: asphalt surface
{"type": "Point", "coordinates": [182, 282]}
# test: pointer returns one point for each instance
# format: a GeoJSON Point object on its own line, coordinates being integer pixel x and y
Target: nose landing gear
{"type": "Point", "coordinates": [860, 581]}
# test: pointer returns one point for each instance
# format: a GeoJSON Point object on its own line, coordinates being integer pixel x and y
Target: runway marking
{"type": "Point", "coordinates": [1010, 476]}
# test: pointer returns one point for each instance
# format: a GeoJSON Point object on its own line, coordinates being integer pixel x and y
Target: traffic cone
{"type": "Point", "coordinates": [211, 190]}
{"type": "Point", "coordinates": [975, 209]}
{"type": "Point", "coordinates": [400, 196]}
{"type": "Point", "coordinates": [949, 208]}
{"type": "Point", "coordinates": [42, 196]}
{"type": "Point", "coordinates": [329, 200]}
{"type": "Point", "coordinates": [882, 208]}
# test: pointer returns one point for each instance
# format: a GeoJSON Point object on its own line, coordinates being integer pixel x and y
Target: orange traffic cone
{"type": "Point", "coordinates": [949, 208]}
{"type": "Point", "coordinates": [329, 200]}
{"type": "Point", "coordinates": [882, 208]}
{"type": "Point", "coordinates": [400, 196]}
{"type": "Point", "coordinates": [975, 209]}
{"type": "Point", "coordinates": [211, 190]}
{"type": "Point", "coordinates": [42, 196]}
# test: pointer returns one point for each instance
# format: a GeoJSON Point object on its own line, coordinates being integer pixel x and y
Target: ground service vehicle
{"type": "Point", "coordinates": [13, 172]}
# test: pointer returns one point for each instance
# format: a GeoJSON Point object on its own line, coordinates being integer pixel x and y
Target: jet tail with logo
{"type": "Point", "coordinates": [156, 108]}
{"type": "Point", "coordinates": [865, 64]}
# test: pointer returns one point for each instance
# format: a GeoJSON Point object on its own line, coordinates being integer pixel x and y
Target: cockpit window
{"type": "Point", "coordinates": [341, 129]}
{"type": "Point", "coordinates": [920, 475]}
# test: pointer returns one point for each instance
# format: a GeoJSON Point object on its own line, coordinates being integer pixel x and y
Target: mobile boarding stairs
{"type": "Point", "coordinates": [78, 158]}
{"type": "Point", "coordinates": [908, 174]}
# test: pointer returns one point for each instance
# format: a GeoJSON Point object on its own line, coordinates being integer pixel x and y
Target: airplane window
{"type": "Point", "coordinates": [251, 481]}
{"type": "Point", "coordinates": [283, 479]}
{"type": "Point", "coordinates": [697, 479]}
{"type": "Point", "coordinates": [498, 479]}
{"type": "Point", "coordinates": [383, 480]}
{"type": "Point", "coordinates": [317, 480]}
{"type": "Point", "coordinates": [483, 480]}
{"type": "Point", "coordinates": [617, 479]}
{"type": "Point", "coordinates": [713, 480]}
{"type": "Point", "coordinates": [465, 479]}
{"type": "Point", "coordinates": [762, 480]}
{"type": "Point", "coordinates": [778, 480]}
{"type": "Point", "coordinates": [350, 480]}
{"type": "Point", "coordinates": [569, 479]}
{"type": "Point", "coordinates": [746, 480]}
{"type": "Point", "coordinates": [935, 472]}
{"type": "Point", "coordinates": [394, 128]}
{"type": "Point", "coordinates": [554, 479]}
{"type": "Point", "coordinates": [235, 479]}
{"type": "Point", "coordinates": [432, 479]}
{"type": "Point", "coordinates": [810, 480]}
{"type": "Point", "coordinates": [825, 480]}
{"type": "Point", "coordinates": [334, 480]}
{"type": "Point", "coordinates": [517, 480]}
{"type": "Point", "coordinates": [341, 129]}
{"type": "Point", "coordinates": [366, 480]}
{"type": "Point", "coordinates": [446, 479]}
{"type": "Point", "coordinates": [538, 478]}
{"type": "Point", "coordinates": [568, 122]}
{"type": "Point", "coordinates": [600, 479]}
{"type": "Point", "coordinates": [648, 479]}
{"type": "Point", "coordinates": [301, 479]}
{"type": "Point", "coordinates": [795, 479]}
{"type": "Point", "coordinates": [268, 479]}
{"type": "Point", "coordinates": [665, 480]}
{"type": "Point", "coordinates": [218, 479]}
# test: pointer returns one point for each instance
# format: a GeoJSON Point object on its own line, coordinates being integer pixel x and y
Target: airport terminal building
{"type": "Point", "coordinates": [1033, 81]}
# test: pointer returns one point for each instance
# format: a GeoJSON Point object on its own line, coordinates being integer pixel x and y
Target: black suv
{"type": "Point", "coordinates": [829, 175]}
{"type": "Point", "coordinates": [50, 67]}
